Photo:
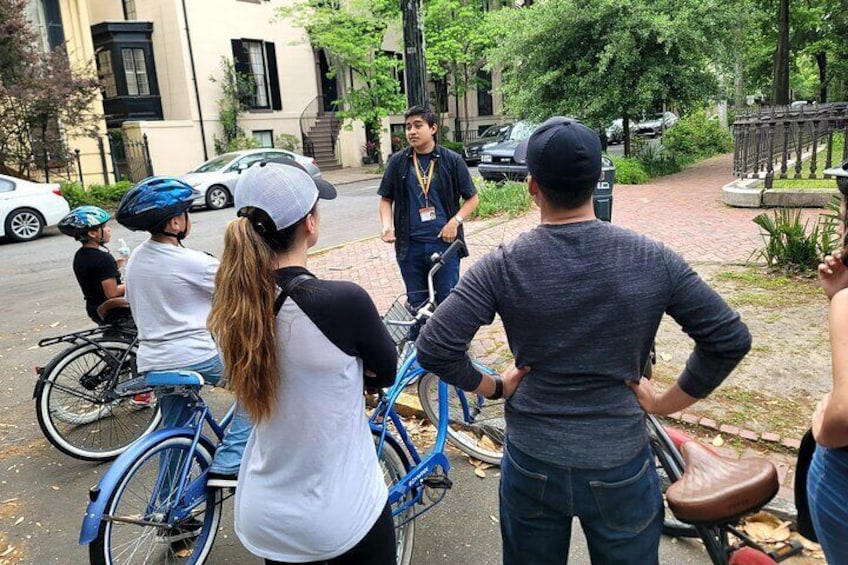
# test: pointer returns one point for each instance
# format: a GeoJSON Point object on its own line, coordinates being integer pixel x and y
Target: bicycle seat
{"type": "Point", "coordinates": [718, 489]}
{"type": "Point", "coordinates": [173, 378]}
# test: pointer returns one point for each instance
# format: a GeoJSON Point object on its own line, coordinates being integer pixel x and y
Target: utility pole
{"type": "Point", "coordinates": [413, 41]}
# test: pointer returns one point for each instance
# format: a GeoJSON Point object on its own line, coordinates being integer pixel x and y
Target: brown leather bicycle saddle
{"type": "Point", "coordinates": [716, 489]}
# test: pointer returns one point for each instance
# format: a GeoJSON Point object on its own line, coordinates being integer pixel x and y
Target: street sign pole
{"type": "Point", "coordinates": [413, 40]}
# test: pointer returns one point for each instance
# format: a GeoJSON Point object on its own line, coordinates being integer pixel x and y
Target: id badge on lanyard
{"type": "Point", "coordinates": [427, 213]}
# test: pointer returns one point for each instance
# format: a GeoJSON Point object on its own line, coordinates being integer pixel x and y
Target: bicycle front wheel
{"type": "Point", "coordinates": [476, 425]}
{"type": "Point", "coordinates": [135, 526]}
{"type": "Point", "coordinates": [395, 466]}
{"type": "Point", "coordinates": [77, 410]}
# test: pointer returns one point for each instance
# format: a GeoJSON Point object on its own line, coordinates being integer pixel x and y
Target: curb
{"type": "Point", "coordinates": [749, 193]}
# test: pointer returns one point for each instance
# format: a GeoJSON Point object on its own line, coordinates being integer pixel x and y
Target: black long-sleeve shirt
{"type": "Point", "coordinates": [581, 304]}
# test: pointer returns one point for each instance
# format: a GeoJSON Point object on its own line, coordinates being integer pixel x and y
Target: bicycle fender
{"type": "Point", "coordinates": [100, 494]}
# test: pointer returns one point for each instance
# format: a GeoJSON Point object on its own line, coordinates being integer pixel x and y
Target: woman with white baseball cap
{"type": "Point", "coordinates": [299, 351]}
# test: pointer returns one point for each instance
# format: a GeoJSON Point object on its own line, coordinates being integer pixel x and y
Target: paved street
{"type": "Point", "coordinates": [43, 493]}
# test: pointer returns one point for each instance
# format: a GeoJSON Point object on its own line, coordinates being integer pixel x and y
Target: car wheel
{"type": "Point", "coordinates": [217, 197]}
{"type": "Point", "coordinates": [24, 224]}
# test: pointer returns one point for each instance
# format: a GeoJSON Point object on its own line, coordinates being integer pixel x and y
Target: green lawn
{"type": "Point", "coordinates": [804, 182]}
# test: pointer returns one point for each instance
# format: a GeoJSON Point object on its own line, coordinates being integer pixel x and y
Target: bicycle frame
{"type": "Point", "coordinates": [423, 465]}
{"type": "Point", "coordinates": [189, 497]}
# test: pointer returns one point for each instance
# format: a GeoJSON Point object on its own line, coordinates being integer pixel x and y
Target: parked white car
{"type": "Point", "coordinates": [27, 207]}
{"type": "Point", "coordinates": [216, 178]}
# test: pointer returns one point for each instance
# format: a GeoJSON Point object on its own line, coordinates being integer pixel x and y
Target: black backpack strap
{"type": "Point", "coordinates": [288, 289]}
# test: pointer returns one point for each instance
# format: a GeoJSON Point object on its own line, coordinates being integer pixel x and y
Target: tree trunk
{"type": "Point", "coordinates": [781, 57]}
{"type": "Point", "coordinates": [821, 59]}
{"type": "Point", "coordinates": [739, 83]}
{"type": "Point", "coordinates": [625, 126]}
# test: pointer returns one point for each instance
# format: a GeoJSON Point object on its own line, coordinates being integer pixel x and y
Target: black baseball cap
{"type": "Point", "coordinates": [562, 154]}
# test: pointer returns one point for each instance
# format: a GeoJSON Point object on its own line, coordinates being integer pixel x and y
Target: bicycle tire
{"type": "Point", "coordinates": [136, 497]}
{"type": "Point", "coordinates": [75, 411]}
{"type": "Point", "coordinates": [395, 466]}
{"type": "Point", "coordinates": [479, 435]}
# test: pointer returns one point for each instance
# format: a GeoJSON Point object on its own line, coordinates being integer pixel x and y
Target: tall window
{"type": "Point", "coordinates": [129, 10]}
{"type": "Point", "coordinates": [484, 93]}
{"type": "Point", "coordinates": [135, 71]}
{"type": "Point", "coordinates": [258, 60]}
{"type": "Point", "coordinates": [107, 76]}
{"type": "Point", "coordinates": [256, 56]}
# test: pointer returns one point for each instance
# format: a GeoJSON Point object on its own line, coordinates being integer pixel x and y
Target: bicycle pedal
{"type": "Point", "coordinates": [792, 547]}
{"type": "Point", "coordinates": [437, 482]}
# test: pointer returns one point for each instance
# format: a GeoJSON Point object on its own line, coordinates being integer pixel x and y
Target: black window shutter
{"type": "Point", "coordinates": [240, 57]}
{"type": "Point", "coordinates": [273, 77]}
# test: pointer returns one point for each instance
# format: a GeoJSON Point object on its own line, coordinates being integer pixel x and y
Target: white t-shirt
{"type": "Point", "coordinates": [169, 289]}
{"type": "Point", "coordinates": [310, 486]}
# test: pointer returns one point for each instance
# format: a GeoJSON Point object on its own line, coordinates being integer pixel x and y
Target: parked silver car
{"type": "Point", "coordinates": [655, 124]}
{"type": "Point", "coordinates": [216, 178]}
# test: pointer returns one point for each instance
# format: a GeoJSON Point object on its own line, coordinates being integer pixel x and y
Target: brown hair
{"type": "Point", "coordinates": [242, 318]}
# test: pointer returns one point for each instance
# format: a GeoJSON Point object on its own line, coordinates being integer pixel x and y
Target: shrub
{"type": "Point", "coordinates": [106, 197]}
{"type": "Point", "coordinates": [509, 198]}
{"type": "Point", "coordinates": [629, 170]}
{"type": "Point", "coordinates": [453, 146]}
{"type": "Point", "coordinates": [788, 246]}
{"type": "Point", "coordinates": [656, 160]}
{"type": "Point", "coordinates": [288, 142]}
{"type": "Point", "coordinates": [695, 137]}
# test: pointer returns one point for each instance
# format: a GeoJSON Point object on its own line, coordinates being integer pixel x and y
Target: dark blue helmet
{"type": "Point", "coordinates": [153, 201]}
{"type": "Point", "coordinates": [79, 221]}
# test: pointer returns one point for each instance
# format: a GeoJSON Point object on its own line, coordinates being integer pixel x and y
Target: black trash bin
{"type": "Point", "coordinates": [602, 196]}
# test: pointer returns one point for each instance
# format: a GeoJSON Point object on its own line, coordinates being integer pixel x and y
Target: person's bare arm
{"type": "Point", "coordinates": [386, 220]}
{"type": "Point", "coordinates": [111, 288]}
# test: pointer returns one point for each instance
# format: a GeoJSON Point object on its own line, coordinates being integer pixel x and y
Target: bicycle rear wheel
{"type": "Point", "coordinates": [476, 425]}
{"type": "Point", "coordinates": [665, 458]}
{"type": "Point", "coordinates": [77, 409]}
{"type": "Point", "coordinates": [395, 466]}
{"type": "Point", "coordinates": [134, 529]}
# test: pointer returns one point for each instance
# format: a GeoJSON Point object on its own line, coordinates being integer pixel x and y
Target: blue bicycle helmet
{"type": "Point", "coordinates": [152, 202]}
{"type": "Point", "coordinates": [82, 219]}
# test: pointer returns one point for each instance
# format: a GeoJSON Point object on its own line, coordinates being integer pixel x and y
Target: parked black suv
{"type": "Point", "coordinates": [491, 136]}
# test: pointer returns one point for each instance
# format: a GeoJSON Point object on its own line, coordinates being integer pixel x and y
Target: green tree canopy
{"type": "Point", "coordinates": [603, 59]}
{"type": "Point", "coordinates": [352, 33]}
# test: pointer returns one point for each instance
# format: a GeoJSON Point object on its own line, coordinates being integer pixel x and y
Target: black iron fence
{"type": "Point", "coordinates": [775, 142]}
{"type": "Point", "coordinates": [130, 157]}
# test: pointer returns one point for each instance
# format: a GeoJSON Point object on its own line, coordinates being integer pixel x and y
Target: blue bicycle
{"type": "Point", "coordinates": [152, 505]}
{"type": "Point", "coordinates": [417, 481]}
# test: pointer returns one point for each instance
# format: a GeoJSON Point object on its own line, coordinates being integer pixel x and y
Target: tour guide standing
{"type": "Point", "coordinates": [420, 206]}
{"type": "Point", "coordinates": [581, 301]}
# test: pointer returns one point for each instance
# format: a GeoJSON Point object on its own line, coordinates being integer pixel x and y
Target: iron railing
{"type": "Point", "coordinates": [309, 118]}
{"type": "Point", "coordinates": [771, 141]}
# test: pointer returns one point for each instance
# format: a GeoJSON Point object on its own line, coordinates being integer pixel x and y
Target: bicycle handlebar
{"type": "Point", "coordinates": [438, 260]}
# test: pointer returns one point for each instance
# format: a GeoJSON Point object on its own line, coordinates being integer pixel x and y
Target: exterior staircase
{"type": "Point", "coordinates": [319, 131]}
{"type": "Point", "coordinates": [323, 136]}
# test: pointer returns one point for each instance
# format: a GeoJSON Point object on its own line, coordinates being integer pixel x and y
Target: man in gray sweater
{"type": "Point", "coordinates": [580, 301]}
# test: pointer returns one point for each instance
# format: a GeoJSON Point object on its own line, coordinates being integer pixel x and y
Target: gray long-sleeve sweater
{"type": "Point", "coordinates": [581, 304]}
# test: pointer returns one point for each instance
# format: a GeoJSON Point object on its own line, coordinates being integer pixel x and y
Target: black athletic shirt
{"type": "Point", "coordinates": [92, 267]}
{"type": "Point", "coordinates": [347, 317]}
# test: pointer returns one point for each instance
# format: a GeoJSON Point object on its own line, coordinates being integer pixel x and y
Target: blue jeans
{"type": "Point", "coordinates": [176, 412]}
{"type": "Point", "coordinates": [620, 510]}
{"type": "Point", "coordinates": [415, 266]}
{"type": "Point", "coordinates": [827, 493]}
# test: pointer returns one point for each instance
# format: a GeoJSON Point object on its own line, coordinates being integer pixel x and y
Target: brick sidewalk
{"type": "Point", "coordinates": [684, 211]}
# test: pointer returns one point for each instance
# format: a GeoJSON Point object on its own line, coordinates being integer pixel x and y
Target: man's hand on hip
{"type": "Point", "coordinates": [448, 233]}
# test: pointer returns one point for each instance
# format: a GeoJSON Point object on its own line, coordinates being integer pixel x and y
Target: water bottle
{"type": "Point", "coordinates": [124, 250]}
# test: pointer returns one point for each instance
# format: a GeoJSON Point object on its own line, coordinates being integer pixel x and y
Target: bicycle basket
{"type": "Point", "coordinates": [398, 312]}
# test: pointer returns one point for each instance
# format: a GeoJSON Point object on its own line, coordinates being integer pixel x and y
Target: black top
{"type": "Point", "coordinates": [92, 267]}
{"type": "Point", "coordinates": [346, 315]}
{"type": "Point", "coordinates": [450, 177]}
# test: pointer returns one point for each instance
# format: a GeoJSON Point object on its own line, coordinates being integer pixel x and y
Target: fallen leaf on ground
{"type": "Point", "coordinates": [9, 550]}
{"type": "Point", "coordinates": [487, 443]}
{"type": "Point", "coordinates": [494, 519]}
{"type": "Point", "coordinates": [19, 520]}
{"type": "Point", "coordinates": [480, 473]}
{"type": "Point", "coordinates": [718, 441]}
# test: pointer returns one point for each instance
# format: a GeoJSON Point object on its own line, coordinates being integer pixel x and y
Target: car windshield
{"type": "Point", "coordinates": [215, 164]}
{"type": "Point", "coordinates": [522, 130]}
{"type": "Point", "coordinates": [491, 131]}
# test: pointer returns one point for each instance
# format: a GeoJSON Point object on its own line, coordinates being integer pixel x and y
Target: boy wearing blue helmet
{"type": "Point", "coordinates": [95, 268]}
{"type": "Point", "coordinates": [169, 288]}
